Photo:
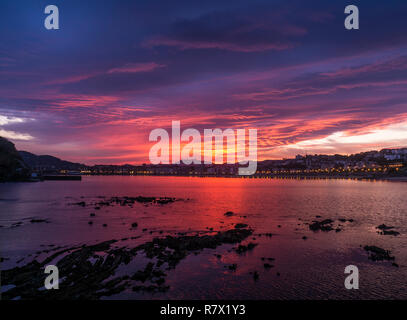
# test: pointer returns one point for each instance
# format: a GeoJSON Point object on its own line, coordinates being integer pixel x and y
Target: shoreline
{"type": "Point", "coordinates": [280, 177]}
{"type": "Point", "coordinates": [290, 177]}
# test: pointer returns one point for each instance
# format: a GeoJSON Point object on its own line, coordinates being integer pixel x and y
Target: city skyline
{"type": "Point", "coordinates": [93, 90]}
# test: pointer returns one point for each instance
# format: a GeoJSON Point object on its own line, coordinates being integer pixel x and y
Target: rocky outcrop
{"type": "Point", "coordinates": [48, 163]}
{"type": "Point", "coordinates": [12, 167]}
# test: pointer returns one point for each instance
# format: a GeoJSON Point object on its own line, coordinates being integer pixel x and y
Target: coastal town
{"type": "Point", "coordinates": [372, 164]}
{"type": "Point", "coordinates": [383, 164]}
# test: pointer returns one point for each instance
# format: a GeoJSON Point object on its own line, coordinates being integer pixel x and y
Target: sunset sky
{"type": "Point", "coordinates": [92, 91]}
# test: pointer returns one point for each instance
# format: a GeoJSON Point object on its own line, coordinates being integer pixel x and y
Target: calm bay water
{"type": "Point", "coordinates": [308, 269]}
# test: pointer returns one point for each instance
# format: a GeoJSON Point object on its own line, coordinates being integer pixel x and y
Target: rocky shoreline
{"type": "Point", "coordinates": [92, 271]}
{"type": "Point", "coordinates": [89, 270]}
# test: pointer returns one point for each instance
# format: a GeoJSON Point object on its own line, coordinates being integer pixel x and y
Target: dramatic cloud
{"type": "Point", "coordinates": [14, 135]}
{"type": "Point", "coordinates": [9, 134]}
{"type": "Point", "coordinates": [4, 120]}
{"type": "Point", "coordinates": [390, 136]}
{"type": "Point", "coordinates": [136, 67]}
{"type": "Point", "coordinates": [100, 84]}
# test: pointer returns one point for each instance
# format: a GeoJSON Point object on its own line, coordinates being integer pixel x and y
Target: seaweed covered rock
{"type": "Point", "coordinates": [324, 225]}
{"type": "Point", "coordinates": [387, 230]}
{"type": "Point", "coordinates": [90, 270]}
{"type": "Point", "coordinates": [378, 254]}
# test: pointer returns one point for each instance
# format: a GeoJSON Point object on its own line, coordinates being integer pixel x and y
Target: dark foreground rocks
{"type": "Point", "coordinates": [21, 223]}
{"type": "Point", "coordinates": [240, 225]}
{"type": "Point", "coordinates": [39, 221]}
{"type": "Point", "coordinates": [387, 230]}
{"type": "Point", "coordinates": [126, 201]}
{"type": "Point", "coordinates": [244, 248]}
{"type": "Point", "coordinates": [378, 254]}
{"type": "Point", "coordinates": [324, 225]}
{"type": "Point", "coordinates": [327, 225]}
{"type": "Point", "coordinates": [89, 271]}
{"type": "Point", "coordinates": [171, 250]}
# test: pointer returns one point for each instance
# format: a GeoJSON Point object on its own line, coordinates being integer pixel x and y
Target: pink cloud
{"type": "Point", "coordinates": [137, 67]}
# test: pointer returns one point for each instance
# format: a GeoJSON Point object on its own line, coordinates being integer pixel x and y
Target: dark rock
{"type": "Point", "coordinates": [86, 279]}
{"type": "Point", "coordinates": [384, 227]}
{"type": "Point", "coordinates": [390, 233]}
{"type": "Point", "coordinates": [160, 281]}
{"type": "Point", "coordinates": [229, 214]}
{"type": "Point", "coordinates": [39, 221]}
{"type": "Point", "coordinates": [255, 275]}
{"type": "Point", "coordinates": [173, 249]}
{"type": "Point", "coordinates": [386, 230]}
{"type": "Point", "coordinates": [232, 267]}
{"type": "Point", "coordinates": [165, 200]}
{"type": "Point", "coordinates": [324, 225]}
{"type": "Point", "coordinates": [242, 248]}
{"type": "Point", "coordinates": [16, 224]}
{"type": "Point", "coordinates": [82, 204]}
{"type": "Point", "coordinates": [129, 201]}
{"type": "Point", "coordinates": [143, 275]}
{"type": "Point", "coordinates": [378, 254]}
{"type": "Point", "coordinates": [240, 225]}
